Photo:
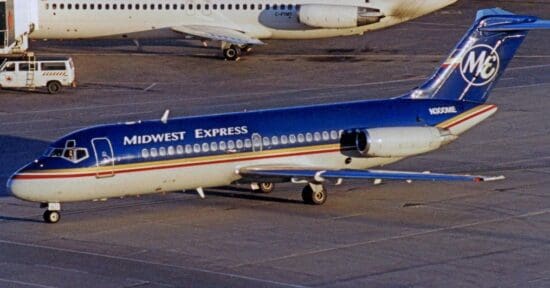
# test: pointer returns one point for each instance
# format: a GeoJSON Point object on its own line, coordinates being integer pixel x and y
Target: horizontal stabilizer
{"type": "Point", "coordinates": [538, 24]}
{"type": "Point", "coordinates": [319, 175]}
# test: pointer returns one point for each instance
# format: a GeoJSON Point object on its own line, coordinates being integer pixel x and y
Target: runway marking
{"type": "Point", "coordinates": [397, 237]}
{"type": "Point", "coordinates": [26, 122]}
{"type": "Point", "coordinates": [522, 86]}
{"type": "Point", "coordinates": [25, 283]}
{"type": "Point", "coordinates": [528, 67]}
{"type": "Point", "coordinates": [150, 87]}
{"type": "Point", "coordinates": [224, 274]}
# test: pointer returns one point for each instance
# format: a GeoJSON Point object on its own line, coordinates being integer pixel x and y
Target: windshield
{"type": "Point", "coordinates": [70, 152]}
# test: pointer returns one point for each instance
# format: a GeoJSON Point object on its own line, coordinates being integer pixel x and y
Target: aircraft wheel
{"type": "Point", "coordinates": [314, 197]}
{"type": "Point", "coordinates": [266, 187]}
{"type": "Point", "coordinates": [51, 216]}
{"type": "Point", "coordinates": [232, 53]}
{"type": "Point", "coordinates": [54, 87]}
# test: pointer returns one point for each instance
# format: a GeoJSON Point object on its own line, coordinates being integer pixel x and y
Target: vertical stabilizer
{"type": "Point", "coordinates": [480, 58]}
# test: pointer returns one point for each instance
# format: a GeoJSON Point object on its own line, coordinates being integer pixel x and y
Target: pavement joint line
{"type": "Point", "coordinates": [25, 283]}
{"type": "Point", "coordinates": [219, 96]}
{"type": "Point", "coordinates": [528, 67]}
{"type": "Point", "coordinates": [150, 87]}
{"type": "Point", "coordinates": [206, 271]}
{"type": "Point", "coordinates": [522, 86]}
{"type": "Point", "coordinates": [397, 237]}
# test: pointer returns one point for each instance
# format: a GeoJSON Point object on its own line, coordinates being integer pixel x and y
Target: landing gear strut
{"type": "Point", "coordinates": [314, 194]}
{"type": "Point", "coordinates": [52, 214]}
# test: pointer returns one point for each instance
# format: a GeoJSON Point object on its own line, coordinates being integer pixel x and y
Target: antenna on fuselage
{"type": "Point", "coordinates": [164, 118]}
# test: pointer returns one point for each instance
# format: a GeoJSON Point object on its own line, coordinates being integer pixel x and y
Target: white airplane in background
{"type": "Point", "coordinates": [238, 24]}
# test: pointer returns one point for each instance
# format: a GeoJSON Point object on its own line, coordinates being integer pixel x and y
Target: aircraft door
{"type": "Point", "coordinates": [105, 160]}
{"type": "Point", "coordinates": [257, 142]}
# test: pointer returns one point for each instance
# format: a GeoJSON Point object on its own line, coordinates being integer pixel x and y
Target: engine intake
{"type": "Point", "coordinates": [334, 16]}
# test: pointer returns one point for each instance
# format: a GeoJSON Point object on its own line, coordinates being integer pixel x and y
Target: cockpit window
{"type": "Point", "coordinates": [70, 152]}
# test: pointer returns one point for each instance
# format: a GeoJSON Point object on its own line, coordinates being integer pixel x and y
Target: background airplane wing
{"type": "Point", "coordinates": [218, 33]}
{"type": "Point", "coordinates": [319, 175]}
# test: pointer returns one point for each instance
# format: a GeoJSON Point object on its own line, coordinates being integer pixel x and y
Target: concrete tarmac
{"type": "Point", "coordinates": [392, 235]}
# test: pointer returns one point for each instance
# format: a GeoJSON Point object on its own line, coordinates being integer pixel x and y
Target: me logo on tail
{"type": "Point", "coordinates": [480, 65]}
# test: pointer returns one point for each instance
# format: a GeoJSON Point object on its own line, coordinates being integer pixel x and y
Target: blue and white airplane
{"type": "Point", "coordinates": [313, 145]}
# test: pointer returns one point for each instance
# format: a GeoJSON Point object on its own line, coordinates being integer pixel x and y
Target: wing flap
{"type": "Point", "coordinates": [218, 33]}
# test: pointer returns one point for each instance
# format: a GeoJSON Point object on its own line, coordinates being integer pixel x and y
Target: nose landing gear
{"type": "Point", "coordinates": [51, 215]}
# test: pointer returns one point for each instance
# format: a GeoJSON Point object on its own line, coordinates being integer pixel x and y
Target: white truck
{"type": "Point", "coordinates": [29, 72]}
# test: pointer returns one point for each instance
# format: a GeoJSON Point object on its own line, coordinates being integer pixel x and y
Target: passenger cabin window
{"type": "Point", "coordinates": [240, 144]}
{"type": "Point", "coordinates": [284, 140]}
{"type": "Point", "coordinates": [179, 149]}
{"type": "Point", "coordinates": [145, 153]}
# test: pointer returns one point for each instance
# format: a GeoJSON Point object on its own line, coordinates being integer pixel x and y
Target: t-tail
{"type": "Point", "coordinates": [480, 58]}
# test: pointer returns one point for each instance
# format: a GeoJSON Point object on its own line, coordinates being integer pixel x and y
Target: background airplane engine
{"type": "Point", "coordinates": [400, 141]}
{"type": "Point", "coordinates": [333, 16]}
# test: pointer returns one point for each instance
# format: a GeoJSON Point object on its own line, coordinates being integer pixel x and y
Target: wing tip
{"type": "Point", "coordinates": [489, 179]}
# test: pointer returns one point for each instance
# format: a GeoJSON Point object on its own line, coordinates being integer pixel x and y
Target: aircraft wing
{"type": "Point", "coordinates": [320, 175]}
{"type": "Point", "coordinates": [218, 33]}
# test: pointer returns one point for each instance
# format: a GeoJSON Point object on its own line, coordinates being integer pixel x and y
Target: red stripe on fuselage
{"type": "Point", "coordinates": [77, 175]}
{"type": "Point", "coordinates": [471, 116]}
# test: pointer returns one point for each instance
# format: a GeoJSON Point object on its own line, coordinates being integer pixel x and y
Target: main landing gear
{"type": "Point", "coordinates": [51, 215]}
{"type": "Point", "coordinates": [232, 52]}
{"type": "Point", "coordinates": [314, 194]}
{"type": "Point", "coordinates": [266, 187]}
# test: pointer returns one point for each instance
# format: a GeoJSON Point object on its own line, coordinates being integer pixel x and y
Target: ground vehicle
{"type": "Point", "coordinates": [31, 72]}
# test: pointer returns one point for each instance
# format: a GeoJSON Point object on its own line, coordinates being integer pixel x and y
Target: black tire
{"type": "Point", "coordinates": [233, 53]}
{"type": "Point", "coordinates": [266, 187]}
{"type": "Point", "coordinates": [51, 216]}
{"type": "Point", "coordinates": [314, 198]}
{"type": "Point", "coordinates": [54, 87]}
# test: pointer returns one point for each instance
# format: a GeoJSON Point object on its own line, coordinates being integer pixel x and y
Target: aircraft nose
{"type": "Point", "coordinates": [16, 185]}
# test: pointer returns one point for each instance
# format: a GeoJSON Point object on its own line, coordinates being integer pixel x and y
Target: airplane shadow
{"type": "Point", "coordinates": [19, 219]}
{"type": "Point", "coordinates": [245, 194]}
{"type": "Point", "coordinates": [15, 153]}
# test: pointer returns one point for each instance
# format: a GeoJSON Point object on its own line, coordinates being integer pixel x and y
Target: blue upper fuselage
{"type": "Point", "coordinates": [243, 131]}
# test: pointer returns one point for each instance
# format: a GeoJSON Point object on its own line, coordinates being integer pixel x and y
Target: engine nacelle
{"type": "Point", "coordinates": [400, 141]}
{"type": "Point", "coordinates": [334, 16]}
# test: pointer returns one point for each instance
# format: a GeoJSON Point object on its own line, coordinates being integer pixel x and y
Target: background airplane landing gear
{"type": "Point", "coordinates": [266, 187]}
{"type": "Point", "coordinates": [246, 48]}
{"type": "Point", "coordinates": [51, 216]}
{"type": "Point", "coordinates": [231, 52]}
{"type": "Point", "coordinates": [314, 194]}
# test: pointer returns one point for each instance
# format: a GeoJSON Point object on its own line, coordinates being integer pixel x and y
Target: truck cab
{"type": "Point", "coordinates": [53, 73]}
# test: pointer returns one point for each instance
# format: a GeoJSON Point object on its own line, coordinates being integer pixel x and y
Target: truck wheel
{"type": "Point", "coordinates": [54, 87]}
